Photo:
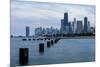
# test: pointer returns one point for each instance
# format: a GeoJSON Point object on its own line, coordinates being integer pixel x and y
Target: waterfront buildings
{"type": "Point", "coordinates": [79, 28]}
{"type": "Point", "coordinates": [85, 25]}
{"type": "Point", "coordinates": [27, 31]}
{"type": "Point", "coordinates": [67, 27]}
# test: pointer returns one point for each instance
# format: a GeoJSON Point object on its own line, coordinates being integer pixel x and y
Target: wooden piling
{"type": "Point", "coordinates": [41, 47]}
{"type": "Point", "coordinates": [45, 38]}
{"type": "Point", "coordinates": [23, 56]}
{"type": "Point", "coordinates": [48, 44]}
{"type": "Point", "coordinates": [37, 39]}
{"type": "Point", "coordinates": [41, 39]}
{"type": "Point", "coordinates": [33, 39]}
{"type": "Point", "coordinates": [55, 40]}
{"type": "Point", "coordinates": [24, 39]}
{"type": "Point", "coordinates": [29, 39]}
{"type": "Point", "coordinates": [51, 42]}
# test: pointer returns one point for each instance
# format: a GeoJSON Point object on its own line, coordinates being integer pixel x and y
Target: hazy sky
{"type": "Point", "coordinates": [36, 14]}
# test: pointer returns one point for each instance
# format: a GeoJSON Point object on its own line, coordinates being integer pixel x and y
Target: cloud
{"type": "Point", "coordinates": [26, 10]}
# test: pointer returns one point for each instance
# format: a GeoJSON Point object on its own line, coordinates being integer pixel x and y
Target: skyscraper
{"type": "Point", "coordinates": [92, 30]}
{"type": "Point", "coordinates": [74, 24]}
{"type": "Point", "coordinates": [62, 26]}
{"type": "Point", "coordinates": [66, 24]}
{"type": "Point", "coordinates": [79, 28]}
{"type": "Point", "coordinates": [39, 31]}
{"type": "Point", "coordinates": [65, 19]}
{"type": "Point", "coordinates": [88, 26]}
{"type": "Point", "coordinates": [27, 31]}
{"type": "Point", "coordinates": [70, 28]}
{"type": "Point", "coordinates": [67, 30]}
{"type": "Point", "coordinates": [85, 25]}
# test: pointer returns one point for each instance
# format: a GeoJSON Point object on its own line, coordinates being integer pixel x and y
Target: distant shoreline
{"type": "Point", "coordinates": [71, 37]}
{"type": "Point", "coordinates": [79, 37]}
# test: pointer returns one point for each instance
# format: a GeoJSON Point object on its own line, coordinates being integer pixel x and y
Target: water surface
{"type": "Point", "coordinates": [64, 51]}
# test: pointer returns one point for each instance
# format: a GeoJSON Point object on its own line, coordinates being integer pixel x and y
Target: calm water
{"type": "Point", "coordinates": [64, 51]}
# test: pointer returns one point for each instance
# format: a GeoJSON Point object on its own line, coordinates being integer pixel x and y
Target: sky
{"type": "Point", "coordinates": [41, 14]}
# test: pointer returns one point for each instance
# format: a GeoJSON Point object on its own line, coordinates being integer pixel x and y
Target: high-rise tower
{"type": "Point", "coordinates": [27, 31]}
{"type": "Point", "coordinates": [85, 25]}
{"type": "Point", "coordinates": [65, 19]}
{"type": "Point", "coordinates": [79, 28]}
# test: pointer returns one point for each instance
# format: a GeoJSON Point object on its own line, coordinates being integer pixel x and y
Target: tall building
{"type": "Point", "coordinates": [27, 31]}
{"type": "Point", "coordinates": [85, 25]}
{"type": "Point", "coordinates": [92, 30]}
{"type": "Point", "coordinates": [44, 31]}
{"type": "Point", "coordinates": [49, 31]}
{"type": "Point", "coordinates": [70, 28]}
{"type": "Point", "coordinates": [88, 26]}
{"type": "Point", "coordinates": [66, 23]}
{"type": "Point", "coordinates": [67, 29]}
{"type": "Point", "coordinates": [62, 26]}
{"type": "Point", "coordinates": [65, 19]}
{"type": "Point", "coordinates": [74, 25]}
{"type": "Point", "coordinates": [39, 31]}
{"type": "Point", "coordinates": [79, 28]}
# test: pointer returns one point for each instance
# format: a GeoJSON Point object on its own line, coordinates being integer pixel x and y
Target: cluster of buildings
{"type": "Point", "coordinates": [46, 31]}
{"type": "Point", "coordinates": [67, 27]}
{"type": "Point", "coordinates": [76, 26]}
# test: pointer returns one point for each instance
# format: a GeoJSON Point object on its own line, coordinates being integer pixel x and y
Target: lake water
{"type": "Point", "coordinates": [64, 51]}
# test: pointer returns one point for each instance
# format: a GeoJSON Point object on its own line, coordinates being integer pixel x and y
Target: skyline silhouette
{"type": "Point", "coordinates": [40, 14]}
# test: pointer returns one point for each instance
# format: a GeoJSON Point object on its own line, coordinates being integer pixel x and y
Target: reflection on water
{"type": "Point", "coordinates": [64, 51]}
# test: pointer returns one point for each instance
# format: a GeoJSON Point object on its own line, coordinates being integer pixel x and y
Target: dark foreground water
{"type": "Point", "coordinates": [65, 51]}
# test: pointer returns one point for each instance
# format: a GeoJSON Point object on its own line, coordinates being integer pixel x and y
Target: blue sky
{"type": "Point", "coordinates": [36, 14]}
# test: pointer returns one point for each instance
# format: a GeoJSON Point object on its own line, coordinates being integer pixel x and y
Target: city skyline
{"type": "Point", "coordinates": [67, 28]}
{"type": "Point", "coordinates": [38, 14]}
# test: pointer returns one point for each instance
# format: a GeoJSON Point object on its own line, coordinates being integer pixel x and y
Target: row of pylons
{"type": "Point", "coordinates": [49, 44]}
{"type": "Point", "coordinates": [29, 39]}
{"type": "Point", "coordinates": [24, 52]}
